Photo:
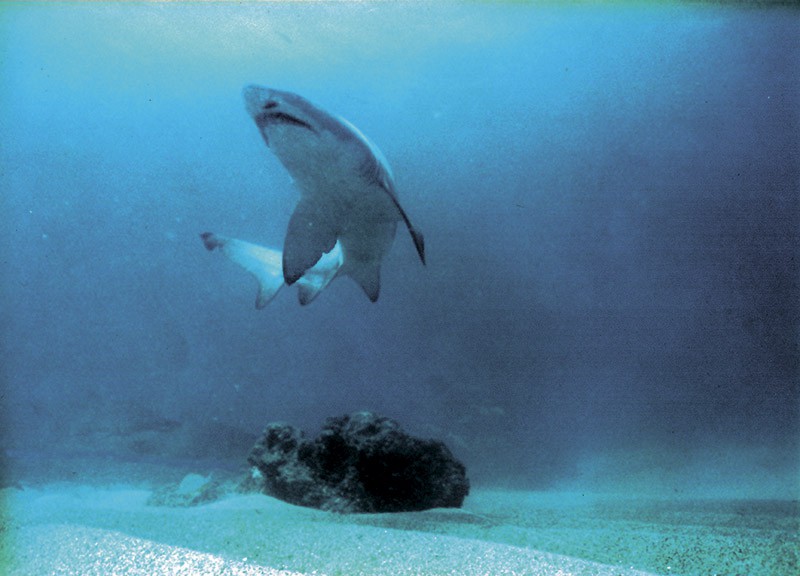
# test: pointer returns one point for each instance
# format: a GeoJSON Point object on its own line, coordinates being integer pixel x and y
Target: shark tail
{"type": "Point", "coordinates": [263, 263]}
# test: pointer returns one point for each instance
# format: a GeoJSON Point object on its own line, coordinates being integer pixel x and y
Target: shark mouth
{"type": "Point", "coordinates": [284, 118]}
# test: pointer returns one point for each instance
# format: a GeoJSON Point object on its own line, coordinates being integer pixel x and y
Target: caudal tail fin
{"type": "Point", "coordinates": [263, 263]}
{"type": "Point", "coordinates": [210, 240]}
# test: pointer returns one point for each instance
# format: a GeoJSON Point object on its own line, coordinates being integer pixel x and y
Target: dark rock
{"type": "Point", "coordinates": [358, 463]}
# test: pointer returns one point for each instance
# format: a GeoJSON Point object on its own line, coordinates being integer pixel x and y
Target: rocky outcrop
{"type": "Point", "coordinates": [358, 463]}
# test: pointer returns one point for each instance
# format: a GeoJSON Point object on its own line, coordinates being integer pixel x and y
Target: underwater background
{"type": "Point", "coordinates": [609, 195]}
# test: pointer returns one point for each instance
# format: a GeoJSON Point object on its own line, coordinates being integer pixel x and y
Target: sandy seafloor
{"type": "Point", "coordinates": [88, 522]}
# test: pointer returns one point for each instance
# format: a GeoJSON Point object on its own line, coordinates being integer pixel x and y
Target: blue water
{"type": "Point", "coordinates": [609, 197]}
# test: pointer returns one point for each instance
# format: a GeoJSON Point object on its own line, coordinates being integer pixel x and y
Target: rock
{"type": "Point", "coordinates": [193, 490]}
{"type": "Point", "coordinates": [358, 463]}
{"type": "Point", "coordinates": [193, 484]}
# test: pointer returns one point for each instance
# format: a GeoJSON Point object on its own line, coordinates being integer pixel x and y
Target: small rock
{"type": "Point", "coordinates": [193, 490]}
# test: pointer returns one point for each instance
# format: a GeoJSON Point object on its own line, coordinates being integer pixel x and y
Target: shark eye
{"type": "Point", "coordinates": [269, 104]}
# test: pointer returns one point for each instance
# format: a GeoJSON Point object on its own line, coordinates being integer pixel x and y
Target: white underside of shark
{"type": "Point", "coordinates": [265, 264]}
{"type": "Point", "coordinates": [348, 203]}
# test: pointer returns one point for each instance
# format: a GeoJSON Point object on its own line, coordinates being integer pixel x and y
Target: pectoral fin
{"type": "Point", "coordinates": [368, 276]}
{"type": "Point", "coordinates": [311, 234]}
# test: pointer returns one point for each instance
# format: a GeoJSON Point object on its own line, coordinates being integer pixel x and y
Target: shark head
{"type": "Point", "coordinates": [285, 115]}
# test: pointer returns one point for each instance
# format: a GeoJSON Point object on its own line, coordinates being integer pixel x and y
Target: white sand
{"type": "Point", "coordinates": [72, 529]}
{"type": "Point", "coordinates": [68, 549]}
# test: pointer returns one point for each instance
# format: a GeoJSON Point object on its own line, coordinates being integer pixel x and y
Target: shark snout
{"type": "Point", "coordinates": [255, 98]}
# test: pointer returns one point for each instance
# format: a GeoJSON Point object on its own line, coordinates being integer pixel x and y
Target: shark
{"type": "Point", "coordinates": [347, 192]}
{"type": "Point", "coordinates": [265, 264]}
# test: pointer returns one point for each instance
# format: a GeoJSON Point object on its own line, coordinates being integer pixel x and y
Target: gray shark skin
{"type": "Point", "coordinates": [347, 193]}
